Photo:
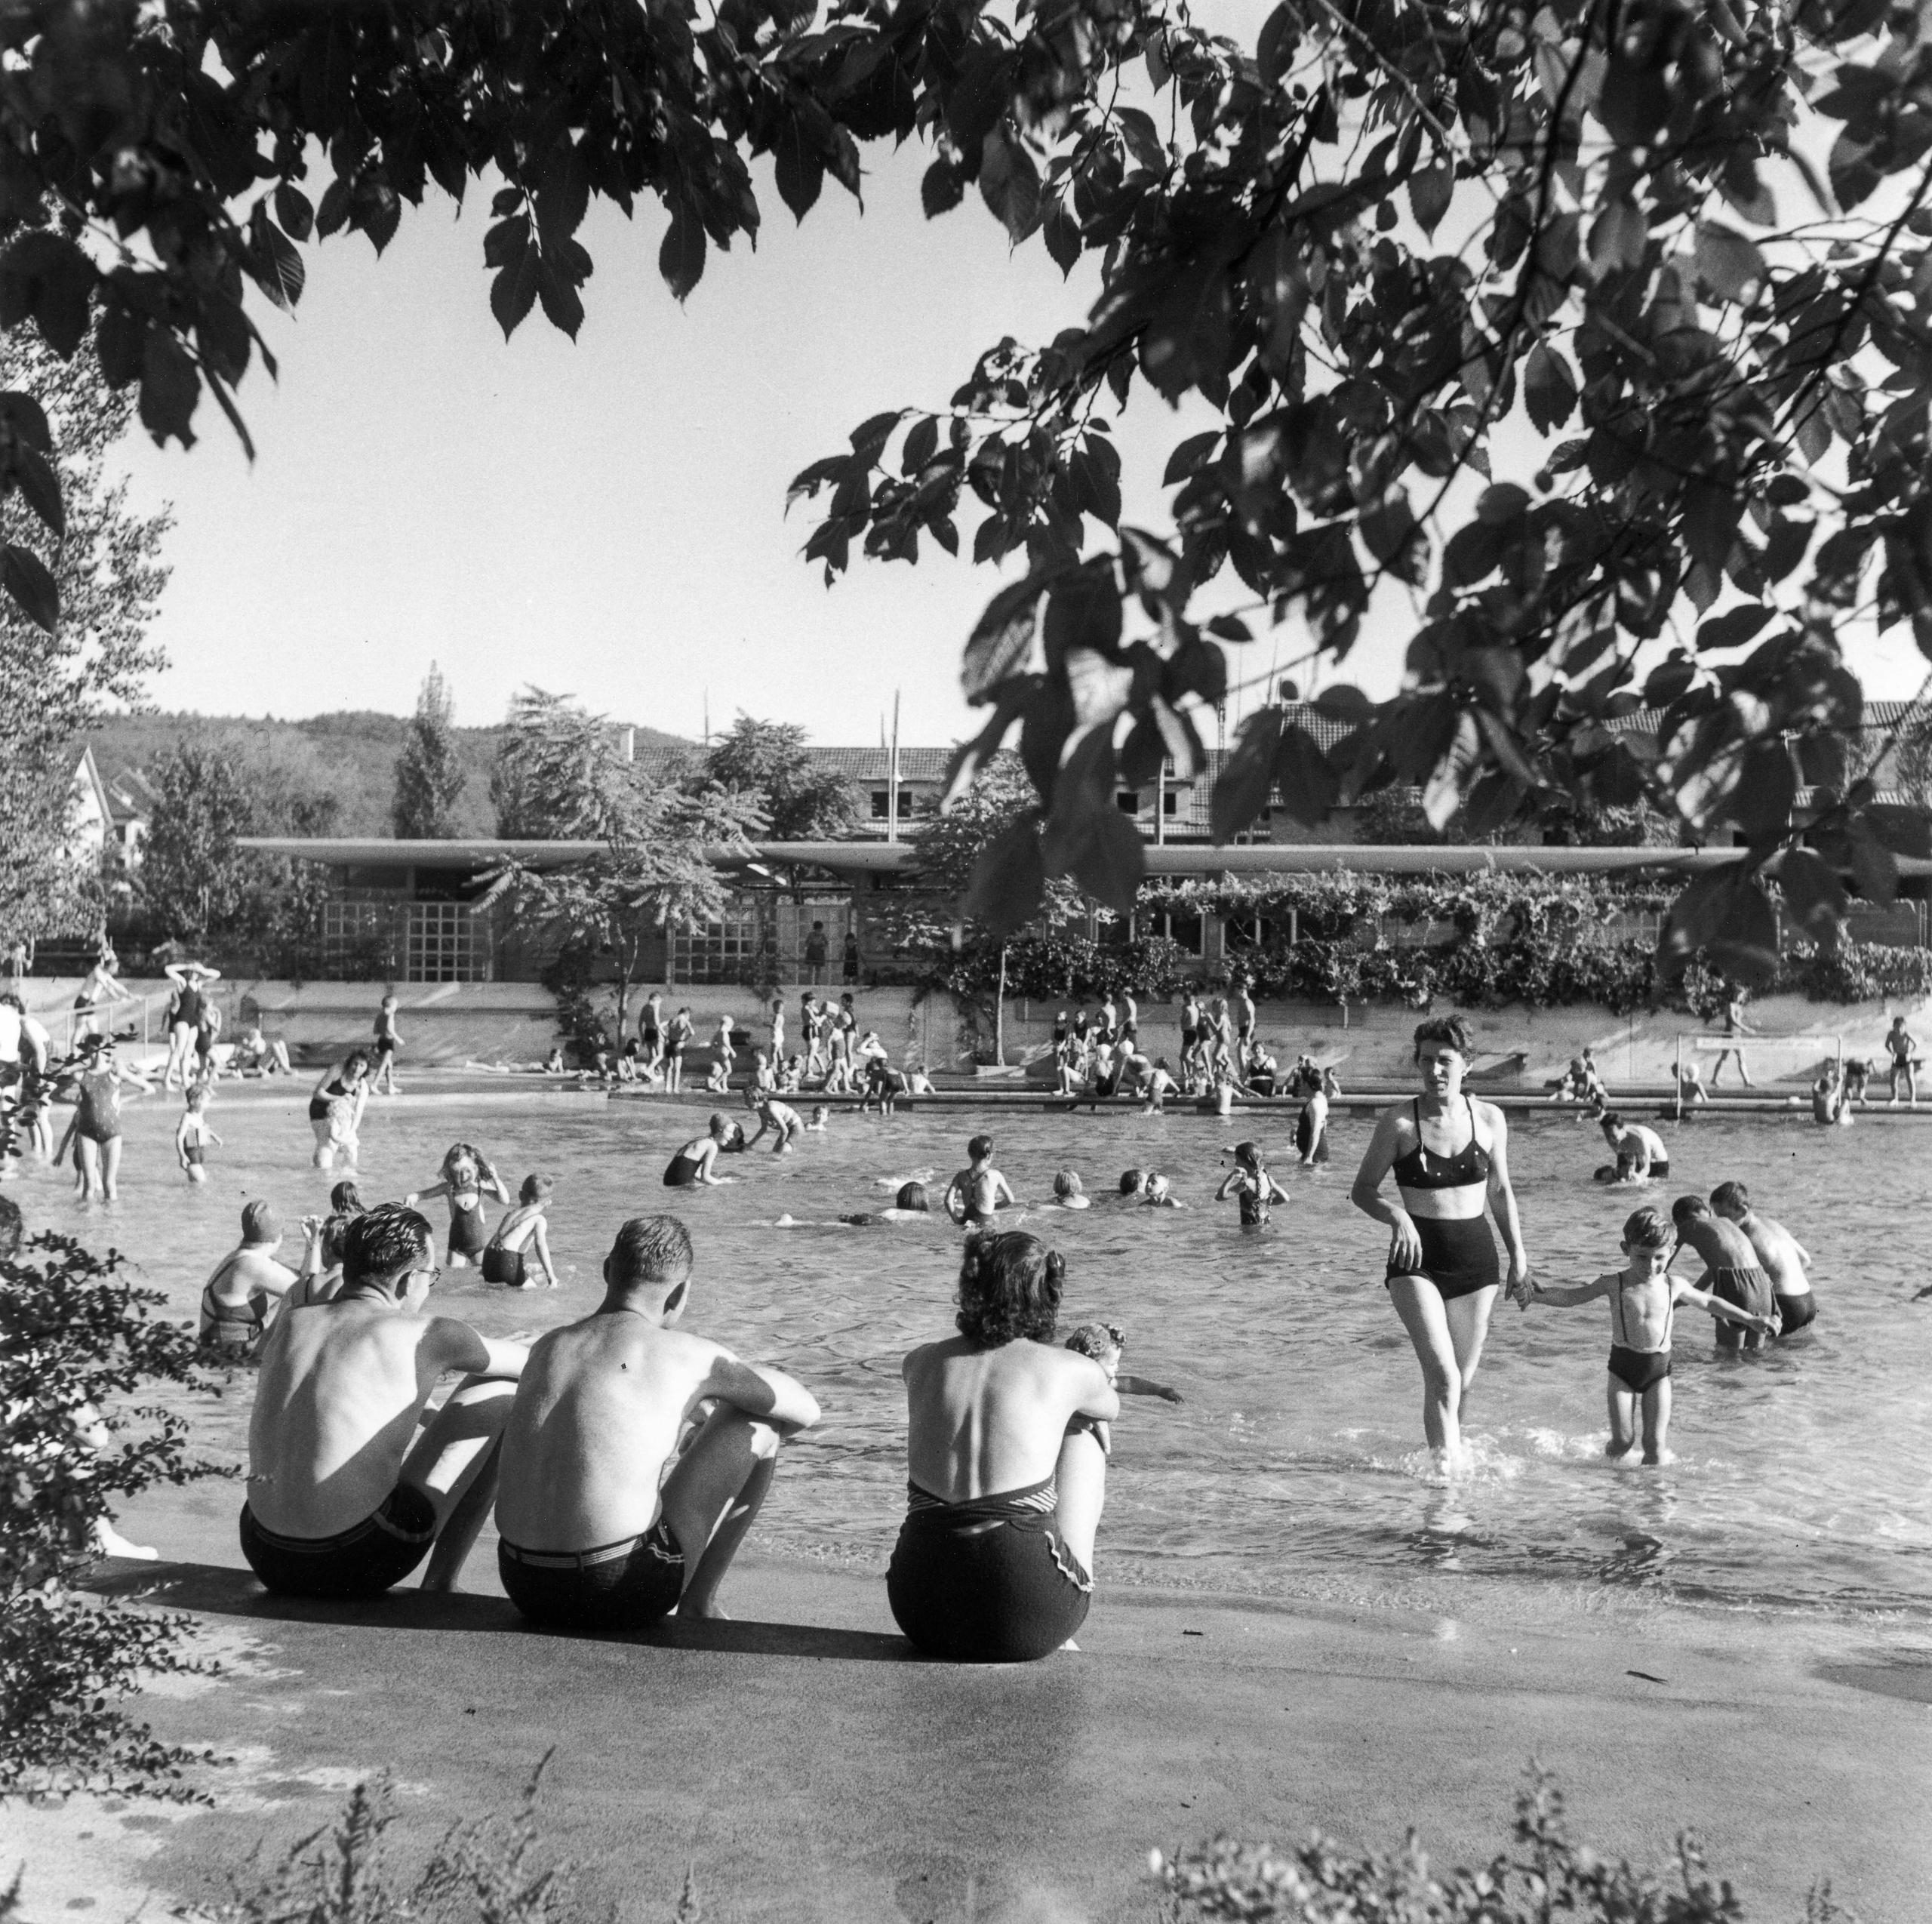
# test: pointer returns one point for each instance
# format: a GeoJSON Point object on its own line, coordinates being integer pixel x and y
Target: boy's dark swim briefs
{"type": "Point", "coordinates": [987, 1580]}
{"type": "Point", "coordinates": [366, 1559]}
{"type": "Point", "coordinates": [616, 1586]}
{"type": "Point", "coordinates": [1458, 1256]}
{"type": "Point", "coordinates": [1743, 1289]}
{"type": "Point", "coordinates": [1798, 1311]}
{"type": "Point", "coordinates": [503, 1265]}
{"type": "Point", "coordinates": [1639, 1369]}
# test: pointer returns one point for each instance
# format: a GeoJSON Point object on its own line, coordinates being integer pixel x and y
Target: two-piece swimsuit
{"type": "Point", "coordinates": [1458, 1253]}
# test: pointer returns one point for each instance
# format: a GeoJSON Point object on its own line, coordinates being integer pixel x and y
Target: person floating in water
{"type": "Point", "coordinates": [466, 1178]}
{"type": "Point", "coordinates": [1249, 1182]}
{"type": "Point", "coordinates": [1006, 1481]}
{"type": "Point", "coordinates": [979, 1192]}
{"type": "Point", "coordinates": [1782, 1256]}
{"type": "Point", "coordinates": [695, 1166]}
{"type": "Point", "coordinates": [1644, 1297]}
{"type": "Point", "coordinates": [192, 1135]}
{"type": "Point", "coordinates": [342, 1502]}
{"type": "Point", "coordinates": [523, 1232]}
{"type": "Point", "coordinates": [1732, 1272]}
{"type": "Point", "coordinates": [911, 1204]}
{"type": "Point", "coordinates": [1640, 1151]}
{"type": "Point", "coordinates": [596, 1535]}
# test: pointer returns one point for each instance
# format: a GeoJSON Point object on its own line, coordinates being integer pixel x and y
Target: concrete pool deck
{"type": "Point", "coordinates": [804, 1764]}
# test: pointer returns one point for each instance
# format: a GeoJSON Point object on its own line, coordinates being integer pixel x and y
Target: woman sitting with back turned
{"type": "Point", "coordinates": [1007, 1477]}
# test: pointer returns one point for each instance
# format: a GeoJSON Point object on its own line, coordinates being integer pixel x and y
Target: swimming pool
{"type": "Point", "coordinates": [1293, 1470]}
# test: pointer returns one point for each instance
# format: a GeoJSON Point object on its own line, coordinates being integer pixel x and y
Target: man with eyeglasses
{"type": "Point", "coordinates": [349, 1487]}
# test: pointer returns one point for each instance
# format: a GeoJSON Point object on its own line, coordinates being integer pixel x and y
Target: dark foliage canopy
{"type": "Point", "coordinates": [1667, 262]}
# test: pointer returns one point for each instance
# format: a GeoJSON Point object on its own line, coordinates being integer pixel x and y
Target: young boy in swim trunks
{"type": "Point", "coordinates": [1643, 1297]}
{"type": "Point", "coordinates": [695, 1166]}
{"type": "Point", "coordinates": [774, 1115]}
{"type": "Point", "coordinates": [1784, 1260]}
{"type": "Point", "coordinates": [522, 1232]}
{"type": "Point", "coordinates": [192, 1135]}
{"type": "Point", "coordinates": [979, 1192]}
{"type": "Point", "coordinates": [1251, 1185]}
{"type": "Point", "coordinates": [1732, 1272]}
{"type": "Point", "coordinates": [595, 1534]}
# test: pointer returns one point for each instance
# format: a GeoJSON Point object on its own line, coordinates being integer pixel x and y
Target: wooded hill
{"type": "Point", "coordinates": [329, 774]}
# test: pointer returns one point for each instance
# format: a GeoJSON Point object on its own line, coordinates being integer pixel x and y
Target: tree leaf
{"type": "Point", "coordinates": [34, 475]}
{"type": "Point", "coordinates": [1009, 880]}
{"type": "Point", "coordinates": [1766, 792]}
{"type": "Point", "coordinates": [943, 188]}
{"type": "Point", "coordinates": [1003, 635]}
{"type": "Point", "coordinates": [563, 194]}
{"type": "Point", "coordinates": [1247, 778]}
{"type": "Point", "coordinates": [1305, 782]}
{"type": "Point", "coordinates": [1728, 263]}
{"type": "Point", "coordinates": [798, 168]}
{"type": "Point", "coordinates": [1815, 897]}
{"type": "Point", "coordinates": [681, 255]}
{"type": "Point", "coordinates": [1083, 611]}
{"type": "Point", "coordinates": [25, 576]}
{"type": "Point", "coordinates": [170, 389]}
{"type": "Point", "coordinates": [26, 420]}
{"type": "Point", "coordinates": [1734, 627]}
{"type": "Point", "coordinates": [1744, 945]}
{"type": "Point", "coordinates": [1429, 193]}
{"type": "Point", "coordinates": [562, 305]}
{"type": "Point", "coordinates": [1061, 232]}
{"type": "Point", "coordinates": [1009, 184]}
{"type": "Point", "coordinates": [1902, 828]}
{"type": "Point", "coordinates": [514, 291]}
{"type": "Point", "coordinates": [1549, 389]}
{"type": "Point", "coordinates": [1345, 702]}
{"type": "Point", "coordinates": [293, 210]}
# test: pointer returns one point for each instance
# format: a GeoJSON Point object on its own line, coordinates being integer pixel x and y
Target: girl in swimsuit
{"type": "Point", "coordinates": [521, 1231]}
{"type": "Point", "coordinates": [95, 1083]}
{"type": "Point", "coordinates": [467, 1177]}
{"type": "Point", "coordinates": [335, 1110]}
{"type": "Point", "coordinates": [192, 1135]}
{"type": "Point", "coordinates": [1251, 1186]}
{"type": "Point", "coordinates": [1450, 1155]}
{"type": "Point", "coordinates": [1005, 1488]}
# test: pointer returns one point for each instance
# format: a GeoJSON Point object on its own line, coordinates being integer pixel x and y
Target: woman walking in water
{"type": "Point", "coordinates": [335, 1110]}
{"type": "Point", "coordinates": [1450, 1155]}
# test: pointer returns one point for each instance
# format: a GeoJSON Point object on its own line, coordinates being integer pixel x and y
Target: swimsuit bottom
{"type": "Point", "coordinates": [682, 1173]}
{"type": "Point", "coordinates": [194, 1155]}
{"type": "Point", "coordinates": [1458, 1256]}
{"type": "Point", "coordinates": [624, 1586]}
{"type": "Point", "coordinates": [102, 1133]}
{"type": "Point", "coordinates": [1798, 1311]}
{"type": "Point", "coordinates": [987, 1580]}
{"type": "Point", "coordinates": [469, 1233]}
{"type": "Point", "coordinates": [371, 1556]}
{"type": "Point", "coordinates": [1743, 1289]}
{"type": "Point", "coordinates": [386, 1045]}
{"type": "Point", "coordinates": [1638, 1370]}
{"type": "Point", "coordinates": [1306, 1135]}
{"type": "Point", "coordinates": [503, 1265]}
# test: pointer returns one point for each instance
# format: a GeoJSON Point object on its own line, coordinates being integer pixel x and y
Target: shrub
{"type": "Point", "coordinates": [1543, 1875]}
{"type": "Point", "coordinates": [74, 1340]}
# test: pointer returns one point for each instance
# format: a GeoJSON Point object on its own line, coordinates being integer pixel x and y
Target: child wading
{"type": "Point", "coordinates": [1643, 1297]}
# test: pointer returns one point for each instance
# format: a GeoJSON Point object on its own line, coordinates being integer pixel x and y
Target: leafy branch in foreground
{"type": "Point", "coordinates": [75, 1341]}
{"type": "Point", "coordinates": [1546, 1875]}
{"type": "Point", "coordinates": [1394, 247]}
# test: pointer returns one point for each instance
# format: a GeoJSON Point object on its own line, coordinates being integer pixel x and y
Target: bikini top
{"type": "Point", "coordinates": [1420, 1168]}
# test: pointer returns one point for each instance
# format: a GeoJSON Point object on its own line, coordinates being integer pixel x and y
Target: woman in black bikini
{"type": "Point", "coordinates": [335, 1110]}
{"type": "Point", "coordinates": [1450, 1155]}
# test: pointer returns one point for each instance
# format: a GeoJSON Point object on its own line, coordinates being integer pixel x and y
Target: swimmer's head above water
{"type": "Point", "coordinates": [1248, 1155]}
{"type": "Point", "coordinates": [1133, 1181]}
{"type": "Point", "coordinates": [911, 1195]}
{"type": "Point", "coordinates": [1067, 1183]}
{"type": "Point", "coordinates": [980, 1149]}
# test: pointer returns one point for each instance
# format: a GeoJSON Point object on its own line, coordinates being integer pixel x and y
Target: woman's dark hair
{"type": "Point", "coordinates": [911, 1195]}
{"type": "Point", "coordinates": [1454, 1029]}
{"type": "Point", "coordinates": [346, 1200]}
{"type": "Point", "coordinates": [355, 1056]}
{"type": "Point", "coordinates": [1009, 1286]}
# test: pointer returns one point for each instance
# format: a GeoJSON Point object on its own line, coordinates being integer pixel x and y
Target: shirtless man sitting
{"type": "Point", "coordinates": [1732, 1272]}
{"type": "Point", "coordinates": [1784, 1259]}
{"type": "Point", "coordinates": [341, 1503]}
{"type": "Point", "coordinates": [245, 1285]}
{"type": "Point", "coordinates": [590, 1539]}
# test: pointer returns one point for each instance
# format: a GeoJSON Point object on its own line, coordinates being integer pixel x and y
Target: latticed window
{"type": "Point", "coordinates": [441, 944]}
{"type": "Point", "coordinates": [717, 952]}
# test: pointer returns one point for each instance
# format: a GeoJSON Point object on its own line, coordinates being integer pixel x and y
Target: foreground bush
{"type": "Point", "coordinates": [75, 1341]}
{"type": "Point", "coordinates": [1543, 1876]}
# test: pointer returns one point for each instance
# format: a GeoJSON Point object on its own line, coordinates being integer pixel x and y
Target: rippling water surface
{"type": "Point", "coordinates": [1292, 1469]}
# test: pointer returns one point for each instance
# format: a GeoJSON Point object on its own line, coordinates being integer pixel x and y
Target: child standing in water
{"type": "Point", "coordinates": [979, 1192]}
{"type": "Point", "coordinates": [467, 1177]}
{"type": "Point", "coordinates": [1643, 1297]}
{"type": "Point", "coordinates": [192, 1135]}
{"type": "Point", "coordinates": [1251, 1185]}
{"type": "Point", "coordinates": [388, 1039]}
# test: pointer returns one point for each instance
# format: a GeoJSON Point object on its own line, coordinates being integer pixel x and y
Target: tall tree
{"type": "Point", "coordinates": [802, 799]}
{"type": "Point", "coordinates": [194, 879]}
{"type": "Point", "coordinates": [429, 773]}
{"type": "Point", "coordinates": [564, 772]}
{"type": "Point", "coordinates": [103, 559]}
{"type": "Point", "coordinates": [966, 856]}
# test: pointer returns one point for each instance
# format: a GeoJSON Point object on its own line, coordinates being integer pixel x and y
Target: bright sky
{"type": "Point", "coordinates": [607, 519]}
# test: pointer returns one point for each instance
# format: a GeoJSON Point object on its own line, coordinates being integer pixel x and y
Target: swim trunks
{"type": "Point", "coordinates": [364, 1560]}
{"type": "Point", "coordinates": [1305, 1134]}
{"type": "Point", "coordinates": [622, 1586]}
{"type": "Point", "coordinates": [682, 1173]}
{"type": "Point", "coordinates": [1639, 1369]}
{"type": "Point", "coordinates": [1743, 1289]}
{"type": "Point", "coordinates": [1458, 1256]}
{"type": "Point", "coordinates": [503, 1265]}
{"type": "Point", "coordinates": [1798, 1311]}
{"type": "Point", "coordinates": [193, 1155]}
{"type": "Point", "coordinates": [987, 1580]}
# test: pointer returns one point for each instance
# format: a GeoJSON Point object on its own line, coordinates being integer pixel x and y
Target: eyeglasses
{"type": "Point", "coordinates": [432, 1271]}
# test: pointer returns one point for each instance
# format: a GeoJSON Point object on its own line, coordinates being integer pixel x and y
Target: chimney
{"type": "Point", "coordinates": [630, 744]}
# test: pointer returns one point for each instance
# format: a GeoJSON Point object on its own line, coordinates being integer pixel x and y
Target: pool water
{"type": "Point", "coordinates": [1293, 1469]}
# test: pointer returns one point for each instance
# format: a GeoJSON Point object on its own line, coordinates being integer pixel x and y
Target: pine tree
{"type": "Point", "coordinates": [428, 776]}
